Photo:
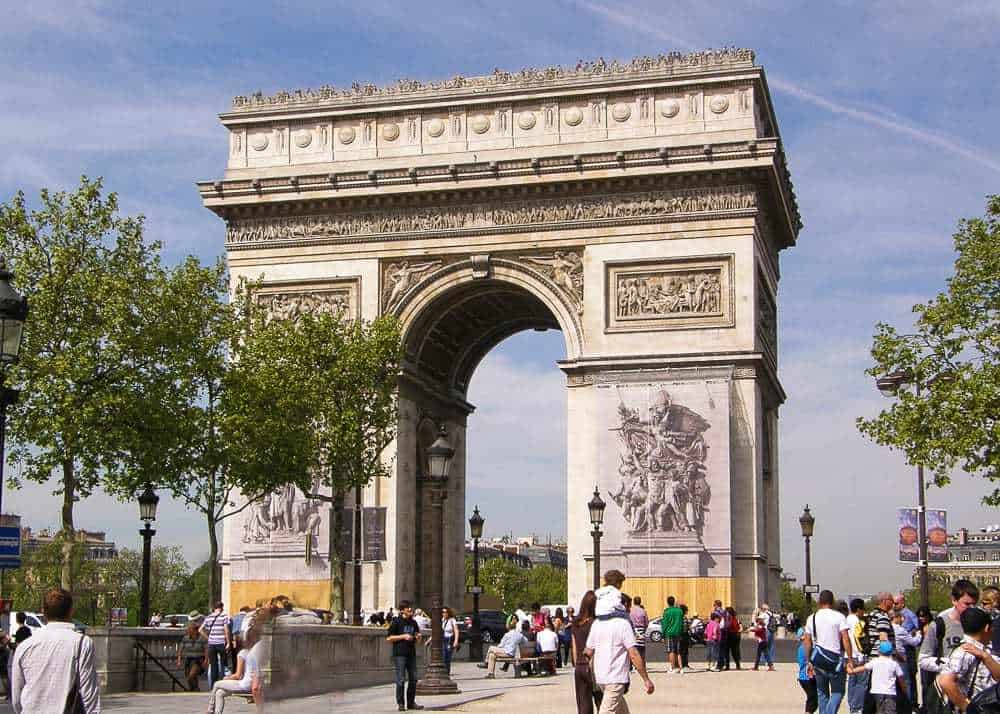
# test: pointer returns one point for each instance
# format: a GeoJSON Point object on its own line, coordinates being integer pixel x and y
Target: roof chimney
{"type": "Point", "coordinates": [963, 536]}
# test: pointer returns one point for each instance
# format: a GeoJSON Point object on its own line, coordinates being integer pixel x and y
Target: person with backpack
{"type": "Point", "coordinates": [826, 644]}
{"type": "Point", "coordinates": [971, 667]}
{"type": "Point", "coordinates": [945, 632]}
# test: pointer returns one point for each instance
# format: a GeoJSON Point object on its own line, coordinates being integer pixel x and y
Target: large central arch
{"type": "Point", "coordinates": [639, 208]}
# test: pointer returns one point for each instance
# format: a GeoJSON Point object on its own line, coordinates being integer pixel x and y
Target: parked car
{"type": "Point", "coordinates": [34, 620]}
{"type": "Point", "coordinates": [654, 633]}
{"type": "Point", "coordinates": [492, 624]}
{"type": "Point", "coordinates": [182, 620]}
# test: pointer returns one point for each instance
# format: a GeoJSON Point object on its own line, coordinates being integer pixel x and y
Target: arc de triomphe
{"type": "Point", "coordinates": [639, 208]}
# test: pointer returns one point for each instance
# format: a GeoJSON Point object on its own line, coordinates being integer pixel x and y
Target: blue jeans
{"type": "Point", "coordinates": [770, 645]}
{"type": "Point", "coordinates": [857, 688]}
{"type": "Point", "coordinates": [446, 651]}
{"type": "Point", "coordinates": [712, 653]}
{"type": "Point", "coordinates": [406, 670]}
{"type": "Point", "coordinates": [830, 690]}
{"type": "Point", "coordinates": [216, 660]}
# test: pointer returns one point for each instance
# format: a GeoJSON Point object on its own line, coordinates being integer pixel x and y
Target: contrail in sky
{"type": "Point", "coordinates": [923, 135]}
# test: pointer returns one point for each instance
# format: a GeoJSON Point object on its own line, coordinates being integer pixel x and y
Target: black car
{"type": "Point", "coordinates": [492, 623]}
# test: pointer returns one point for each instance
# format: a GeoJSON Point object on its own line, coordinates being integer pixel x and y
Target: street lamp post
{"type": "Point", "coordinates": [147, 512]}
{"type": "Point", "coordinates": [13, 313]}
{"type": "Point", "coordinates": [475, 632]}
{"type": "Point", "coordinates": [439, 455]}
{"type": "Point", "coordinates": [890, 385]}
{"type": "Point", "coordinates": [807, 522]}
{"type": "Point", "coordinates": [596, 508]}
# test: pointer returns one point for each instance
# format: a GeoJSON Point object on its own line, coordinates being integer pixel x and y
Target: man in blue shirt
{"type": "Point", "coordinates": [508, 647]}
{"type": "Point", "coordinates": [911, 624]}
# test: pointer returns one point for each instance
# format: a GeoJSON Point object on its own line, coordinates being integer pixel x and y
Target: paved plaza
{"type": "Point", "coordinates": [733, 691]}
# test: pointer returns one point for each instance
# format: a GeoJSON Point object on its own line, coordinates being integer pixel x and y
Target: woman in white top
{"type": "Point", "coordinates": [241, 681]}
{"type": "Point", "coordinates": [449, 640]}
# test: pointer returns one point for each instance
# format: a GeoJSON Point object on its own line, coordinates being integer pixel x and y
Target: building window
{"type": "Point", "coordinates": [980, 555]}
{"type": "Point", "coordinates": [966, 556]}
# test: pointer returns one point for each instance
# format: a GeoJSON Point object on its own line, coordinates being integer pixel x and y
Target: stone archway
{"type": "Point", "coordinates": [451, 319]}
{"type": "Point", "coordinates": [639, 207]}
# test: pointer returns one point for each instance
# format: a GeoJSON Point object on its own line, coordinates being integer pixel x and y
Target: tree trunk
{"type": "Point", "coordinates": [336, 521]}
{"type": "Point", "coordinates": [68, 531]}
{"type": "Point", "coordinates": [214, 587]}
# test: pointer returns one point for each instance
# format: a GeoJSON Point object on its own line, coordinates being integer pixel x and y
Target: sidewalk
{"type": "Point", "coordinates": [700, 692]}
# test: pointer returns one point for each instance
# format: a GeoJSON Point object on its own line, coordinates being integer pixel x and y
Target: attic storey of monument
{"type": "Point", "coordinates": [639, 208]}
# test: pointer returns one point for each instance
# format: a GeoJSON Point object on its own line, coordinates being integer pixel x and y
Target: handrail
{"type": "Point", "coordinates": [149, 656]}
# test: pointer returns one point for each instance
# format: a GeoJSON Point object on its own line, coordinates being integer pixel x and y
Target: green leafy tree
{"type": "Point", "coordinates": [41, 570]}
{"type": "Point", "coordinates": [330, 384]}
{"type": "Point", "coordinates": [792, 598]}
{"type": "Point", "coordinates": [505, 580]}
{"type": "Point", "coordinates": [546, 584]}
{"type": "Point", "coordinates": [176, 428]}
{"type": "Point", "coordinates": [91, 280]}
{"type": "Point", "coordinates": [953, 356]}
{"type": "Point", "coordinates": [168, 574]}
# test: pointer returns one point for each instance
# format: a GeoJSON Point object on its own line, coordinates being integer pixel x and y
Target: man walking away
{"type": "Point", "coordinates": [611, 645]}
{"type": "Point", "coordinates": [404, 634]}
{"type": "Point", "coordinates": [826, 644]}
{"type": "Point", "coordinates": [216, 629]}
{"type": "Point", "coordinates": [672, 624]}
{"type": "Point", "coordinates": [53, 672]}
{"type": "Point", "coordinates": [640, 621]}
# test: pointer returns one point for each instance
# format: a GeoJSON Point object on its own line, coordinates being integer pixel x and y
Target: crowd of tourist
{"type": "Point", "coordinates": [889, 659]}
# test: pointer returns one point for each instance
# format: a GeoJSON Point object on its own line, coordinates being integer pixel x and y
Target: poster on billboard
{"type": "Point", "coordinates": [937, 536]}
{"type": "Point", "coordinates": [909, 535]}
{"type": "Point", "coordinates": [10, 542]}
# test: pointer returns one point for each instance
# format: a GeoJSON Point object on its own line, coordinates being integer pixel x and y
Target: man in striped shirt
{"type": "Point", "coordinates": [216, 629]}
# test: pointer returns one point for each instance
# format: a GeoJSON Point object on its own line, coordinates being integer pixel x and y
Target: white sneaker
{"type": "Point", "coordinates": [688, 669]}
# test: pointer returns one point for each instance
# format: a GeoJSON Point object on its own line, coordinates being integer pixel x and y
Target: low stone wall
{"type": "Point", "coordinates": [300, 660]}
{"type": "Point", "coordinates": [297, 660]}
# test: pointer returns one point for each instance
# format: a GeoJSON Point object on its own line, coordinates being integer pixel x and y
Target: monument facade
{"type": "Point", "coordinates": [639, 208]}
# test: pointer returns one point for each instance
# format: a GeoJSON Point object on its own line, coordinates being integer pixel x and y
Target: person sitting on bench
{"type": "Point", "coordinates": [508, 647]}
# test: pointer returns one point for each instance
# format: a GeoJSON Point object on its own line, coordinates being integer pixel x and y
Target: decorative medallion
{"type": "Point", "coordinates": [573, 116]}
{"type": "Point", "coordinates": [719, 103]}
{"type": "Point", "coordinates": [346, 134]}
{"type": "Point", "coordinates": [390, 132]}
{"type": "Point", "coordinates": [526, 120]}
{"type": "Point", "coordinates": [621, 112]}
{"type": "Point", "coordinates": [435, 128]}
{"type": "Point", "coordinates": [670, 108]}
{"type": "Point", "coordinates": [259, 142]}
{"type": "Point", "coordinates": [303, 138]}
{"type": "Point", "coordinates": [480, 123]}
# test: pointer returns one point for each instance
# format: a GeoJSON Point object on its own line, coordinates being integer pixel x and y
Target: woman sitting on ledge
{"type": "Point", "coordinates": [243, 681]}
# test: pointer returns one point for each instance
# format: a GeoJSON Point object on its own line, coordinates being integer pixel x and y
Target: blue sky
{"type": "Point", "coordinates": [887, 109]}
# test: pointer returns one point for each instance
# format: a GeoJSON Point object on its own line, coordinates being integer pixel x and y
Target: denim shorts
{"type": "Point", "coordinates": [673, 644]}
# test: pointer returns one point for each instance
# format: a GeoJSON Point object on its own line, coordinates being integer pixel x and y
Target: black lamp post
{"type": "Point", "coordinates": [596, 508]}
{"type": "Point", "coordinates": [148, 501]}
{"type": "Point", "coordinates": [807, 522]}
{"type": "Point", "coordinates": [439, 455]}
{"type": "Point", "coordinates": [475, 632]}
{"type": "Point", "coordinates": [890, 385]}
{"type": "Point", "coordinates": [13, 313]}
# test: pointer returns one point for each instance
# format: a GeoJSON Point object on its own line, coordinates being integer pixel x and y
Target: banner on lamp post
{"type": "Point", "coordinates": [908, 526]}
{"type": "Point", "coordinates": [937, 536]}
{"type": "Point", "coordinates": [909, 535]}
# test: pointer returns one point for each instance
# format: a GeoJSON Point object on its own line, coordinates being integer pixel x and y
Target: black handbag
{"type": "Point", "coordinates": [986, 702]}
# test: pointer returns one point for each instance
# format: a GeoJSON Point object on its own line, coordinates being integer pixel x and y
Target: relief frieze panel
{"type": "Point", "coordinates": [289, 301]}
{"type": "Point", "coordinates": [486, 216]}
{"type": "Point", "coordinates": [680, 293]}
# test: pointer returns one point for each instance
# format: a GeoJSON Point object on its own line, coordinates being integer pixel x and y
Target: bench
{"type": "Point", "coordinates": [527, 657]}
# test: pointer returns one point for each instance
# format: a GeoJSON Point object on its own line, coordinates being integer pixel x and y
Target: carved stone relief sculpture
{"type": "Point", "coordinates": [292, 305]}
{"type": "Point", "coordinates": [485, 215]}
{"type": "Point", "coordinates": [284, 515]}
{"type": "Point", "coordinates": [663, 485]}
{"type": "Point", "coordinates": [565, 269]}
{"type": "Point", "coordinates": [398, 278]}
{"type": "Point", "coordinates": [678, 293]}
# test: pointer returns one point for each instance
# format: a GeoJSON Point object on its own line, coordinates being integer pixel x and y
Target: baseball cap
{"type": "Point", "coordinates": [885, 648]}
